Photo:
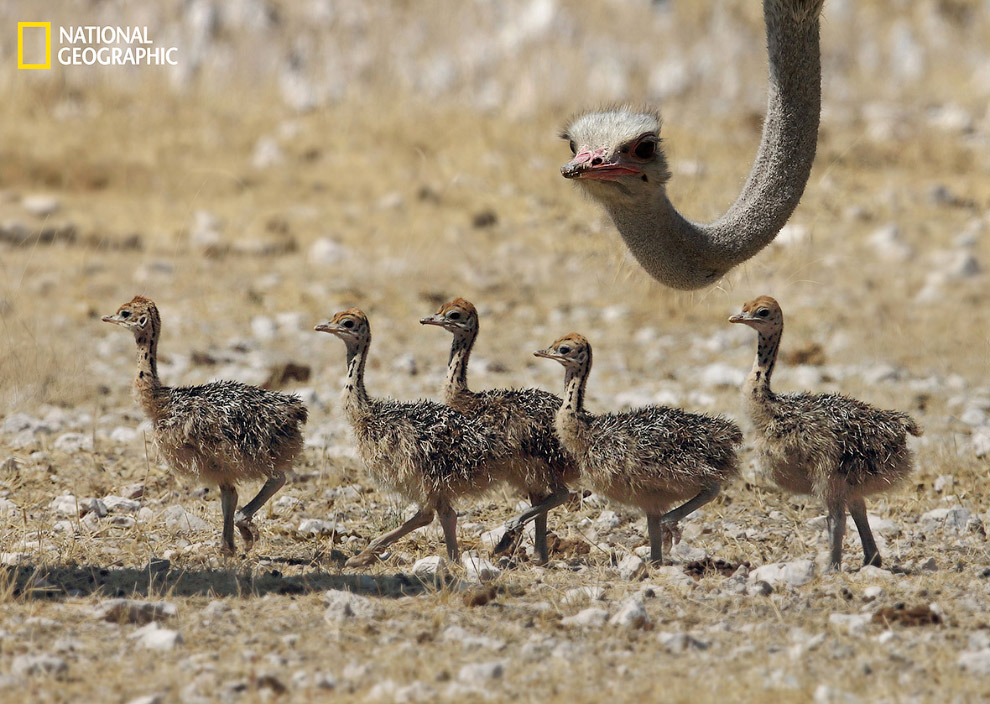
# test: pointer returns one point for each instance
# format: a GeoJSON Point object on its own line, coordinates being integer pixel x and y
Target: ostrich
{"type": "Point", "coordinates": [423, 451]}
{"type": "Point", "coordinates": [538, 466]}
{"type": "Point", "coordinates": [650, 457]}
{"type": "Point", "coordinates": [619, 162]}
{"type": "Point", "coordinates": [222, 432]}
{"type": "Point", "coordinates": [832, 446]}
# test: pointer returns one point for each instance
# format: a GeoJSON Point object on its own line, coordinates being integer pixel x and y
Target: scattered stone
{"type": "Point", "coordinates": [680, 642]}
{"type": "Point", "coordinates": [134, 611]}
{"type": "Point", "coordinates": [824, 694]}
{"type": "Point", "coordinates": [430, 568]}
{"type": "Point", "coordinates": [154, 637]}
{"type": "Point", "coordinates": [592, 617]}
{"type": "Point", "coordinates": [216, 608]}
{"type": "Point", "coordinates": [873, 592]}
{"type": "Point", "coordinates": [793, 574]}
{"type": "Point", "coordinates": [179, 520]}
{"type": "Point", "coordinates": [479, 569]}
{"type": "Point", "coordinates": [267, 153]}
{"type": "Point", "coordinates": [890, 245]}
{"type": "Point", "coordinates": [48, 665]}
{"type": "Point", "coordinates": [722, 375]}
{"type": "Point", "coordinates": [954, 518]}
{"type": "Point", "coordinates": [148, 699]}
{"type": "Point", "coordinates": [855, 624]}
{"type": "Point", "coordinates": [70, 443]}
{"type": "Point", "coordinates": [607, 520]}
{"type": "Point", "coordinates": [631, 567]}
{"type": "Point", "coordinates": [115, 504]}
{"type": "Point", "coordinates": [64, 505]}
{"type": "Point", "coordinates": [123, 435]}
{"type": "Point", "coordinates": [326, 251]}
{"type": "Point", "coordinates": [708, 566]}
{"type": "Point", "coordinates": [759, 588]}
{"type": "Point", "coordinates": [7, 506]}
{"type": "Point", "coordinates": [482, 671]}
{"type": "Point", "coordinates": [312, 527]}
{"type": "Point", "coordinates": [929, 565]}
{"type": "Point", "coordinates": [40, 206]}
{"type": "Point", "coordinates": [132, 491]}
{"type": "Point", "coordinates": [582, 594]}
{"type": "Point", "coordinates": [631, 614]}
{"type": "Point", "coordinates": [977, 662]}
{"type": "Point", "coordinates": [469, 641]}
{"type": "Point", "coordinates": [345, 606]}
{"type": "Point", "coordinates": [92, 506]}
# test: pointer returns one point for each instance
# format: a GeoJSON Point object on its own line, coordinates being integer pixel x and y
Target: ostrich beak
{"type": "Point", "coordinates": [737, 318]}
{"type": "Point", "coordinates": [431, 320]}
{"type": "Point", "coordinates": [326, 327]}
{"type": "Point", "coordinates": [597, 165]}
{"type": "Point", "coordinates": [546, 354]}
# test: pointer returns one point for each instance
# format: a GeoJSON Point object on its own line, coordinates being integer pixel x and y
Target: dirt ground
{"type": "Point", "coordinates": [322, 156]}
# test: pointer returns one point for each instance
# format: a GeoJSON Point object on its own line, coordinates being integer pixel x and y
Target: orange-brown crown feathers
{"type": "Point", "coordinates": [457, 316]}
{"type": "Point", "coordinates": [569, 349]}
{"type": "Point", "coordinates": [138, 314]}
{"type": "Point", "coordinates": [346, 322]}
{"type": "Point", "coordinates": [762, 311]}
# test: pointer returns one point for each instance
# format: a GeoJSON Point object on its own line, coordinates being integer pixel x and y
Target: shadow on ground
{"type": "Point", "coordinates": [52, 582]}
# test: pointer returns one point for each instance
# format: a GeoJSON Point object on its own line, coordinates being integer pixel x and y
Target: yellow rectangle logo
{"type": "Point", "coordinates": [21, 26]}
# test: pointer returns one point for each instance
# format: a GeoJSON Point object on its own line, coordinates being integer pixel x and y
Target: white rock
{"type": "Point", "coordinates": [7, 506]}
{"type": "Point", "coordinates": [345, 606]}
{"type": "Point", "coordinates": [286, 503]}
{"type": "Point", "coordinates": [264, 327]}
{"type": "Point", "coordinates": [855, 624]}
{"type": "Point", "coordinates": [40, 205]}
{"type": "Point", "coordinates": [873, 592]}
{"type": "Point", "coordinates": [469, 641]}
{"type": "Point", "coordinates": [591, 617]}
{"type": "Point", "coordinates": [134, 610]}
{"type": "Point", "coordinates": [631, 614]}
{"type": "Point", "coordinates": [721, 375]}
{"type": "Point", "coordinates": [794, 574]}
{"type": "Point", "coordinates": [267, 153]}
{"type": "Point", "coordinates": [316, 526]}
{"type": "Point", "coordinates": [889, 244]}
{"type": "Point", "coordinates": [64, 505]}
{"type": "Point", "coordinates": [685, 553]}
{"type": "Point", "coordinates": [607, 520]}
{"type": "Point", "coordinates": [92, 506]}
{"type": "Point", "coordinates": [980, 443]}
{"type": "Point", "coordinates": [205, 230]}
{"type": "Point", "coordinates": [154, 637]}
{"type": "Point", "coordinates": [216, 608]}
{"type": "Point", "coordinates": [48, 665]}
{"type": "Point", "coordinates": [178, 520]}
{"type": "Point", "coordinates": [123, 435]}
{"type": "Point", "coordinates": [954, 518]}
{"type": "Point", "coordinates": [482, 671]}
{"type": "Point", "coordinates": [824, 694]}
{"type": "Point", "coordinates": [578, 595]}
{"type": "Point", "coordinates": [70, 443]}
{"type": "Point", "coordinates": [326, 251]}
{"type": "Point", "coordinates": [148, 699]}
{"type": "Point", "coordinates": [478, 568]}
{"type": "Point", "coordinates": [631, 567]}
{"type": "Point", "coordinates": [679, 642]}
{"type": "Point", "coordinates": [977, 662]}
{"type": "Point", "coordinates": [430, 568]}
{"type": "Point", "coordinates": [118, 504]}
{"type": "Point", "coordinates": [674, 574]}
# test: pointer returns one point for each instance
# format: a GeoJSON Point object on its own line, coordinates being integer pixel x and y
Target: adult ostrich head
{"type": "Point", "coordinates": [618, 161]}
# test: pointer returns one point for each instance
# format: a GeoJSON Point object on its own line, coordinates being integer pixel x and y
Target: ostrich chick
{"type": "Point", "coordinates": [650, 457]}
{"type": "Point", "coordinates": [829, 445]}
{"type": "Point", "coordinates": [537, 466]}
{"type": "Point", "coordinates": [425, 452]}
{"type": "Point", "coordinates": [222, 432]}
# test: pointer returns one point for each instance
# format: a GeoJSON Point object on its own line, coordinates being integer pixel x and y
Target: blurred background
{"type": "Point", "coordinates": [303, 157]}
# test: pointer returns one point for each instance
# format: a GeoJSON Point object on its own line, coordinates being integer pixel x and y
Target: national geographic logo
{"type": "Point", "coordinates": [89, 45]}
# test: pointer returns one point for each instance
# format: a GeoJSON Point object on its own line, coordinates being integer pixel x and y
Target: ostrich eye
{"type": "Point", "coordinates": [348, 324]}
{"type": "Point", "coordinates": [453, 315]}
{"type": "Point", "coordinates": [564, 350]}
{"type": "Point", "coordinates": [763, 312]}
{"type": "Point", "coordinates": [125, 314]}
{"type": "Point", "coordinates": [573, 147]}
{"type": "Point", "coordinates": [646, 149]}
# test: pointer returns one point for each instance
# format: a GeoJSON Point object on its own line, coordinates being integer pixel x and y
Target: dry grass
{"type": "Point", "coordinates": [397, 178]}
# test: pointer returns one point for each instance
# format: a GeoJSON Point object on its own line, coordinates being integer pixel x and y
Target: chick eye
{"type": "Point", "coordinates": [645, 149]}
{"type": "Point", "coordinates": [564, 350]}
{"type": "Point", "coordinates": [348, 324]}
{"type": "Point", "coordinates": [454, 315]}
{"type": "Point", "coordinates": [125, 314]}
{"type": "Point", "coordinates": [763, 312]}
{"type": "Point", "coordinates": [573, 147]}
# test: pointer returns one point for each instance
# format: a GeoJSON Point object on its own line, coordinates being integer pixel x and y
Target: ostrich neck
{"type": "Point", "coordinates": [758, 382]}
{"type": "Point", "coordinates": [571, 421]}
{"type": "Point", "coordinates": [688, 255]}
{"type": "Point", "coordinates": [146, 383]}
{"type": "Point", "coordinates": [355, 396]}
{"type": "Point", "coordinates": [457, 365]}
